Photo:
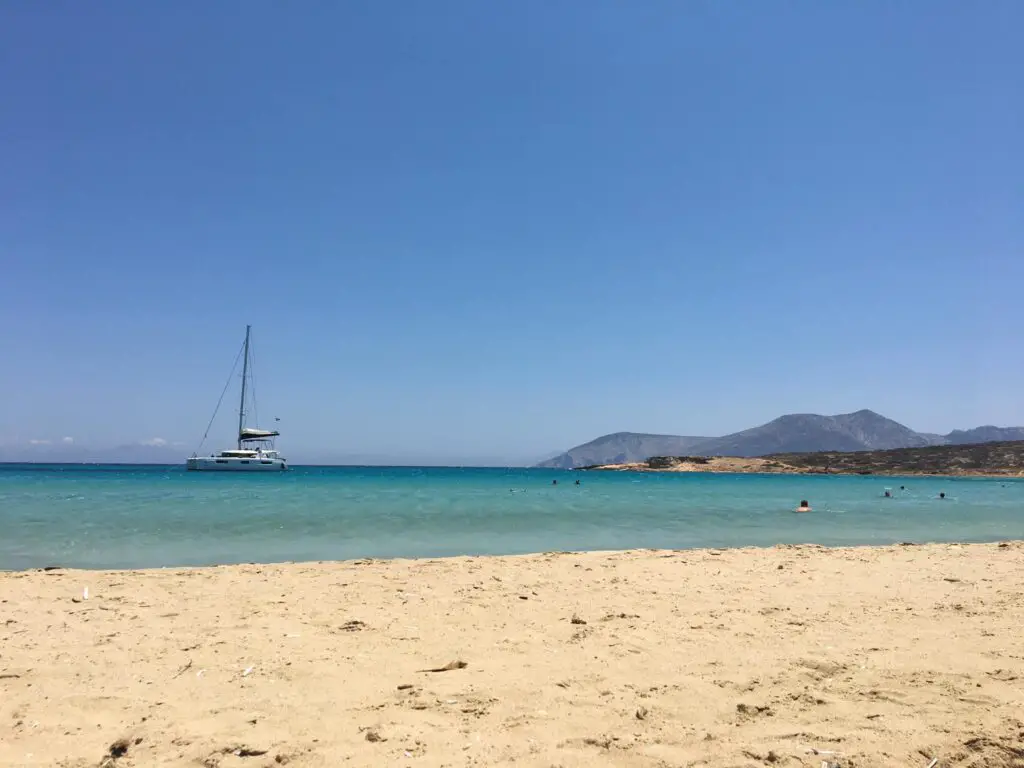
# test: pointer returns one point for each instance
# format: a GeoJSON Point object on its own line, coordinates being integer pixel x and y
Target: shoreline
{"type": "Point", "coordinates": [801, 473]}
{"type": "Point", "coordinates": [721, 465]}
{"type": "Point", "coordinates": [461, 559]}
{"type": "Point", "coordinates": [786, 655]}
{"type": "Point", "coordinates": [58, 570]}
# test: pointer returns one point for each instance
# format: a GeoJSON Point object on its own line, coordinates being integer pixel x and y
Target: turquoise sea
{"type": "Point", "coordinates": [92, 516]}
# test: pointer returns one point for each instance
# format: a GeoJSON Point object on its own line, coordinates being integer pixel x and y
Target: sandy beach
{"type": "Point", "coordinates": [769, 466]}
{"type": "Point", "coordinates": [888, 656]}
{"type": "Point", "coordinates": [719, 464]}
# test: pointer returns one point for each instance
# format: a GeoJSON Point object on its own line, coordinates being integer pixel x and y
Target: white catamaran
{"type": "Point", "coordinates": [255, 448]}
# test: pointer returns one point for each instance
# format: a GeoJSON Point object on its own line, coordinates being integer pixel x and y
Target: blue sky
{"type": "Point", "coordinates": [466, 229]}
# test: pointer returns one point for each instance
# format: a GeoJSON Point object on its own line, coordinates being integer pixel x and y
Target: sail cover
{"type": "Point", "coordinates": [256, 434]}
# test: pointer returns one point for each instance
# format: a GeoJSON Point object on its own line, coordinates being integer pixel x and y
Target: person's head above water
{"type": "Point", "coordinates": [942, 495]}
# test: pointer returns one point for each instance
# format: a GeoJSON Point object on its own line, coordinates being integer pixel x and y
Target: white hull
{"type": "Point", "coordinates": [235, 464]}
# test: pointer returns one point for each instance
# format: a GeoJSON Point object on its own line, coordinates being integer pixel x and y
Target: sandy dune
{"type": "Point", "coordinates": [789, 656]}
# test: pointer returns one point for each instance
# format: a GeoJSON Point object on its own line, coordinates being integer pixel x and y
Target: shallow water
{"type": "Point", "coordinates": [94, 516]}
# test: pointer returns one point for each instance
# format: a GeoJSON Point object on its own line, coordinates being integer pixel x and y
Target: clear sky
{"type": "Point", "coordinates": [498, 229]}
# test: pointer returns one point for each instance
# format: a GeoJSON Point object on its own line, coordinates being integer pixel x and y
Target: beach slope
{"type": "Point", "coordinates": [887, 656]}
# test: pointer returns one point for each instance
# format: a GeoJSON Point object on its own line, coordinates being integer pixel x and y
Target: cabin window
{"type": "Point", "coordinates": [266, 462]}
{"type": "Point", "coordinates": [222, 461]}
{"type": "Point", "coordinates": [244, 461]}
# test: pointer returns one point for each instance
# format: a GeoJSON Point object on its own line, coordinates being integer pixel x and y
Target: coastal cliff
{"type": "Point", "coordinates": [986, 459]}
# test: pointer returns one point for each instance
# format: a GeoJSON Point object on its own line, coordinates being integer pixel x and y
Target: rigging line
{"type": "Point", "coordinates": [221, 399]}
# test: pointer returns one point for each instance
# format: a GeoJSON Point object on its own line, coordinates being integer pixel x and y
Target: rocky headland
{"type": "Point", "coordinates": [1004, 459]}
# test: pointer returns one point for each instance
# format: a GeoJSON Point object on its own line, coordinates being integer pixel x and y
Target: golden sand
{"type": "Point", "coordinates": [794, 656]}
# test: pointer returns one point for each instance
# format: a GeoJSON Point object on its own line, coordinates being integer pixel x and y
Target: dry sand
{"type": "Point", "coordinates": [889, 656]}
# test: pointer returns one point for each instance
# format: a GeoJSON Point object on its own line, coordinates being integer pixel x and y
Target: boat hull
{"type": "Point", "coordinates": [233, 464]}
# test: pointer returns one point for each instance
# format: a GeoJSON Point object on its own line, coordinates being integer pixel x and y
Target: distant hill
{"type": "Point", "coordinates": [985, 434]}
{"type": "Point", "coordinates": [622, 447]}
{"type": "Point", "coordinates": [863, 430]}
{"type": "Point", "coordinates": [807, 432]}
{"type": "Point", "coordinates": [136, 453]}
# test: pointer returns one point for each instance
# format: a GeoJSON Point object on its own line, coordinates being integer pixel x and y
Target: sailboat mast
{"type": "Point", "coordinates": [245, 376]}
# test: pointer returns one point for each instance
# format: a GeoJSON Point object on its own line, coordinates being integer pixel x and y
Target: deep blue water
{"type": "Point", "coordinates": [144, 516]}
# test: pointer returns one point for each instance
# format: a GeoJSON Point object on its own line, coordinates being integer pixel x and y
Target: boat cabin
{"type": "Point", "coordinates": [246, 453]}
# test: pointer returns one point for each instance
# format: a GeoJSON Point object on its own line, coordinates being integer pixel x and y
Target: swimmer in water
{"type": "Point", "coordinates": [804, 507]}
{"type": "Point", "coordinates": [887, 494]}
{"type": "Point", "coordinates": [577, 482]}
{"type": "Point", "coordinates": [942, 495]}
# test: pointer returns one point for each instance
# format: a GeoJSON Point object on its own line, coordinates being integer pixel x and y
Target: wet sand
{"type": "Point", "coordinates": [882, 656]}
